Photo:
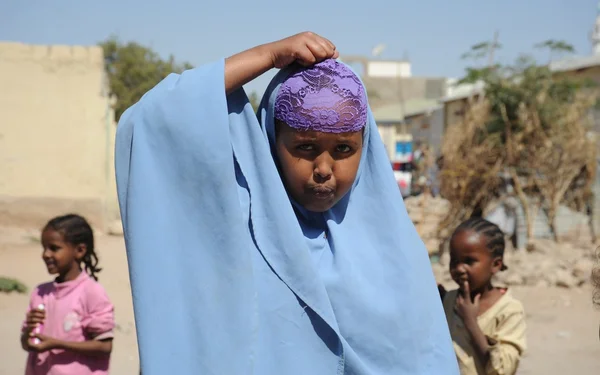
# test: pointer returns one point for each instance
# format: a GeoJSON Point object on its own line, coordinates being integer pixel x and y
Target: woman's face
{"type": "Point", "coordinates": [318, 168]}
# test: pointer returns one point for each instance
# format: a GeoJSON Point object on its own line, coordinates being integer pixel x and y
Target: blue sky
{"type": "Point", "coordinates": [433, 33]}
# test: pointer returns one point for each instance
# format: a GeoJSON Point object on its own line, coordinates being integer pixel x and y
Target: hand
{"type": "Point", "coordinates": [466, 308]}
{"type": "Point", "coordinates": [305, 48]}
{"type": "Point", "coordinates": [33, 319]}
{"type": "Point", "coordinates": [46, 343]}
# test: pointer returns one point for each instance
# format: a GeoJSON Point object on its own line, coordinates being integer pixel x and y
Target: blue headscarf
{"type": "Point", "coordinates": [231, 277]}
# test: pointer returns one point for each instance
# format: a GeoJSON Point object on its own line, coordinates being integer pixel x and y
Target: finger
{"type": "Point", "coordinates": [39, 336]}
{"type": "Point", "coordinates": [37, 313]}
{"type": "Point", "coordinates": [34, 320]}
{"type": "Point", "coordinates": [32, 326]}
{"type": "Point", "coordinates": [318, 50]}
{"type": "Point", "coordinates": [329, 50]}
{"type": "Point", "coordinates": [305, 57]}
{"type": "Point", "coordinates": [328, 42]}
{"type": "Point", "coordinates": [476, 299]}
{"type": "Point", "coordinates": [467, 289]}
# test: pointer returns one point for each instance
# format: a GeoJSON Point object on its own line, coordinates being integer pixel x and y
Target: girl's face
{"type": "Point", "coordinates": [471, 261]}
{"type": "Point", "coordinates": [318, 168]}
{"type": "Point", "coordinates": [61, 257]}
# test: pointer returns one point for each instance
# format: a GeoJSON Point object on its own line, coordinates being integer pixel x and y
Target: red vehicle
{"type": "Point", "coordinates": [403, 173]}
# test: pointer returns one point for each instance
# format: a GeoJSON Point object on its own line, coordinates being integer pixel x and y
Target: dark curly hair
{"type": "Point", "coordinates": [76, 230]}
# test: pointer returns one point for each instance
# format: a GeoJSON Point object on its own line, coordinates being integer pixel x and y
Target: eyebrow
{"type": "Point", "coordinates": [311, 137]}
{"type": "Point", "coordinates": [347, 140]}
{"type": "Point", "coordinates": [303, 137]}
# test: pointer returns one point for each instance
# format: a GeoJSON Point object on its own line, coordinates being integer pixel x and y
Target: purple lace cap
{"type": "Point", "coordinates": [326, 97]}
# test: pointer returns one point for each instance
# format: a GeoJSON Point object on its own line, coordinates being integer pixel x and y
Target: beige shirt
{"type": "Point", "coordinates": [503, 324]}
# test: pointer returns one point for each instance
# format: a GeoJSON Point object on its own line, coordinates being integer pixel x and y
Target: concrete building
{"type": "Point", "coordinates": [421, 119]}
{"type": "Point", "coordinates": [57, 134]}
{"type": "Point", "coordinates": [403, 105]}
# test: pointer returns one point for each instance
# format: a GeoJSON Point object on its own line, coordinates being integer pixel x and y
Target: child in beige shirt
{"type": "Point", "coordinates": [487, 324]}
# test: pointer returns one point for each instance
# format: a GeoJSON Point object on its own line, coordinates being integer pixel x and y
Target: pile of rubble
{"type": "Point", "coordinates": [551, 264]}
{"type": "Point", "coordinates": [567, 264]}
{"type": "Point", "coordinates": [426, 212]}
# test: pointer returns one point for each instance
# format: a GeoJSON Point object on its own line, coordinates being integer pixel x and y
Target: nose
{"type": "Point", "coordinates": [458, 269]}
{"type": "Point", "coordinates": [46, 253]}
{"type": "Point", "coordinates": [323, 169]}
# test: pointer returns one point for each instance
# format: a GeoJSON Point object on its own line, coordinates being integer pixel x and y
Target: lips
{"type": "Point", "coordinates": [322, 192]}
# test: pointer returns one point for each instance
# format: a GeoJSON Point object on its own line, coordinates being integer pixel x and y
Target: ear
{"type": "Point", "coordinates": [497, 263]}
{"type": "Point", "coordinates": [80, 251]}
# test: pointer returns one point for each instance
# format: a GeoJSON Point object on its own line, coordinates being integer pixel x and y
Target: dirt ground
{"type": "Point", "coordinates": [562, 323]}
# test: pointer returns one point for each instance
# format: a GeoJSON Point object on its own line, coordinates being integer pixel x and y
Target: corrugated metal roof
{"type": "Point", "coordinates": [461, 91]}
{"type": "Point", "coordinates": [575, 63]}
{"type": "Point", "coordinates": [393, 113]}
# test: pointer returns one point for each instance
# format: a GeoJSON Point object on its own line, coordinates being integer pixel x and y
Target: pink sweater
{"type": "Point", "coordinates": [76, 310]}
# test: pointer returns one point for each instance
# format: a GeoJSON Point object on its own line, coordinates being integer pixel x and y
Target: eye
{"type": "Point", "coordinates": [306, 147]}
{"type": "Point", "coordinates": [343, 148]}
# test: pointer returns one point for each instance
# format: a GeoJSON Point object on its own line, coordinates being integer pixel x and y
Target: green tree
{"type": "Point", "coordinates": [133, 69]}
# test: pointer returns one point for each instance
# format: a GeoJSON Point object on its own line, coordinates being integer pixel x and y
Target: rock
{"type": "Point", "coordinates": [541, 283]}
{"type": "Point", "coordinates": [534, 279]}
{"type": "Point", "coordinates": [582, 269]}
{"type": "Point", "coordinates": [432, 245]}
{"type": "Point", "coordinates": [438, 272]}
{"type": "Point", "coordinates": [115, 228]}
{"type": "Point", "coordinates": [426, 212]}
{"type": "Point", "coordinates": [445, 260]}
{"type": "Point", "coordinates": [513, 279]}
{"type": "Point", "coordinates": [564, 279]}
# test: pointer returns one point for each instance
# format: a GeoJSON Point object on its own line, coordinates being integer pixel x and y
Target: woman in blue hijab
{"type": "Point", "coordinates": [277, 242]}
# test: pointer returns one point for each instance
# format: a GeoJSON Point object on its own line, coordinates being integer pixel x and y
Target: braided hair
{"type": "Point", "coordinates": [493, 234]}
{"type": "Point", "coordinates": [76, 230]}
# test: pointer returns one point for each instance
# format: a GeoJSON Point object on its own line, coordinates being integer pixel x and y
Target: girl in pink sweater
{"type": "Point", "coordinates": [69, 324]}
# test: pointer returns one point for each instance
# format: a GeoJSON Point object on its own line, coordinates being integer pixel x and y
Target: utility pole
{"type": "Point", "coordinates": [491, 50]}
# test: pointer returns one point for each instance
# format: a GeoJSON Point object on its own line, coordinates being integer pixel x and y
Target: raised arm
{"type": "Point", "coordinates": [305, 48]}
